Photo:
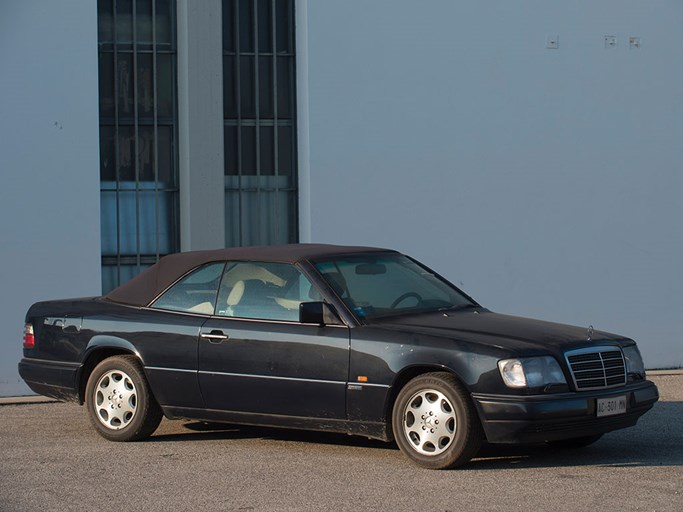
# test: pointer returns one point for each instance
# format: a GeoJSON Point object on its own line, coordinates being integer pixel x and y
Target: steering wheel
{"type": "Point", "coordinates": [405, 296]}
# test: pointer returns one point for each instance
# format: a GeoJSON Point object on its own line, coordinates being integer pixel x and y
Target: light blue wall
{"type": "Point", "coordinates": [49, 163]}
{"type": "Point", "coordinates": [547, 182]}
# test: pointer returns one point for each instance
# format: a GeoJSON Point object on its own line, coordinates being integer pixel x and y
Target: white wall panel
{"type": "Point", "coordinates": [548, 182]}
{"type": "Point", "coordinates": [49, 164]}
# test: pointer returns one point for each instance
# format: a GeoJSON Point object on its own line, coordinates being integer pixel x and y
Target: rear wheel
{"type": "Point", "coordinates": [119, 402]}
{"type": "Point", "coordinates": [434, 422]}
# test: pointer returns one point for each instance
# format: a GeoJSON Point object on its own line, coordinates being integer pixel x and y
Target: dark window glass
{"type": "Point", "coordinates": [285, 151]}
{"type": "Point", "coordinates": [125, 153]}
{"type": "Point", "coordinates": [167, 175]}
{"type": "Point", "coordinates": [229, 89]}
{"type": "Point", "coordinates": [265, 78]}
{"type": "Point", "coordinates": [165, 87]}
{"type": "Point", "coordinates": [285, 77]}
{"type": "Point", "coordinates": [265, 26]}
{"type": "Point", "coordinates": [285, 25]}
{"type": "Point", "coordinates": [164, 23]}
{"type": "Point", "coordinates": [143, 22]}
{"type": "Point", "coordinates": [124, 84]}
{"type": "Point", "coordinates": [247, 82]}
{"type": "Point", "coordinates": [248, 150]}
{"type": "Point", "coordinates": [267, 150]}
{"type": "Point", "coordinates": [105, 21]}
{"type": "Point", "coordinates": [123, 22]}
{"type": "Point", "coordinates": [246, 25]}
{"type": "Point", "coordinates": [145, 84]}
{"type": "Point", "coordinates": [107, 153]}
{"type": "Point", "coordinates": [230, 150]}
{"type": "Point", "coordinates": [146, 153]}
{"type": "Point", "coordinates": [291, 208]}
{"type": "Point", "coordinates": [106, 85]}
{"type": "Point", "coordinates": [228, 21]}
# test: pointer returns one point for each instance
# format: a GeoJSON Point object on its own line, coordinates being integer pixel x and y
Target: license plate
{"type": "Point", "coordinates": [610, 406]}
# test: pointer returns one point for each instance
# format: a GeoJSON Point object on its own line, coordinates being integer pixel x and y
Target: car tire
{"type": "Point", "coordinates": [574, 443]}
{"type": "Point", "coordinates": [119, 401]}
{"type": "Point", "coordinates": [434, 422]}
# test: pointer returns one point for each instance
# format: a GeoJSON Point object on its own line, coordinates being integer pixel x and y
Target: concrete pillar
{"type": "Point", "coordinates": [200, 125]}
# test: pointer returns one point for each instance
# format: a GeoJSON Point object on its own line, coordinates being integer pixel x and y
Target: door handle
{"type": "Point", "coordinates": [214, 336]}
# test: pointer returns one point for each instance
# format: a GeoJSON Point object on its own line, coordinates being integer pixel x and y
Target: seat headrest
{"type": "Point", "coordinates": [235, 295]}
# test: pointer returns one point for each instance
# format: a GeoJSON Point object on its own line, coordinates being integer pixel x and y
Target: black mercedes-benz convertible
{"type": "Point", "coordinates": [358, 340]}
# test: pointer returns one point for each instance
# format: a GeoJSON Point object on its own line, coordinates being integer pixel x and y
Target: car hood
{"type": "Point", "coordinates": [504, 331]}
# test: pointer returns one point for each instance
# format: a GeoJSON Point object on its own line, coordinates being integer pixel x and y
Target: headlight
{"type": "Point", "coordinates": [531, 372]}
{"type": "Point", "coordinates": [634, 361]}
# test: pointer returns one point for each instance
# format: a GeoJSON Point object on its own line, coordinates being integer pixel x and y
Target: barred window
{"type": "Point", "coordinates": [138, 136]}
{"type": "Point", "coordinates": [259, 122]}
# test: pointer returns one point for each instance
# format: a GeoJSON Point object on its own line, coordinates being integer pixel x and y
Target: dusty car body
{"type": "Point", "coordinates": [359, 340]}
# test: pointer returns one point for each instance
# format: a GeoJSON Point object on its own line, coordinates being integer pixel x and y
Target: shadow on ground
{"type": "Point", "coordinates": [655, 441]}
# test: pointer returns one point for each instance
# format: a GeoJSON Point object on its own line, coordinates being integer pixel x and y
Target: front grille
{"type": "Point", "coordinates": [597, 367]}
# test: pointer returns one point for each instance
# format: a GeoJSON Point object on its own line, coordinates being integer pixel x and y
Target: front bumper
{"type": "Point", "coordinates": [540, 418]}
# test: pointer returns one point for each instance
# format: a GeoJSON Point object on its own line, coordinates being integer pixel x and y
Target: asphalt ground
{"type": "Point", "coordinates": [52, 459]}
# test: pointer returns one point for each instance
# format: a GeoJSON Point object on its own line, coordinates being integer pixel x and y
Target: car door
{"type": "Point", "coordinates": [255, 356]}
{"type": "Point", "coordinates": [167, 335]}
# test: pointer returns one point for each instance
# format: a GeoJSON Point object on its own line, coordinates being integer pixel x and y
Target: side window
{"type": "Point", "coordinates": [194, 293]}
{"type": "Point", "coordinates": [265, 291]}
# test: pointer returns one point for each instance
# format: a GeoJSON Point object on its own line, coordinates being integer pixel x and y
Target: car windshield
{"type": "Point", "coordinates": [389, 284]}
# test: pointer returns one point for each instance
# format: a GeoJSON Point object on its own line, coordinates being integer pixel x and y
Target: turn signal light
{"type": "Point", "coordinates": [29, 339]}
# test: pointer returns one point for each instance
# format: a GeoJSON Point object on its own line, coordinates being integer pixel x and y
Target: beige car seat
{"type": "Point", "coordinates": [234, 297]}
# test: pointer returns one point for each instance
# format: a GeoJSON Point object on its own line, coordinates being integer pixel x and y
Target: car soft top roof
{"type": "Point", "coordinates": [144, 288]}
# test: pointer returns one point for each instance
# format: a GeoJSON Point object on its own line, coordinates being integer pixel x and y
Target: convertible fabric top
{"type": "Point", "coordinates": [144, 288]}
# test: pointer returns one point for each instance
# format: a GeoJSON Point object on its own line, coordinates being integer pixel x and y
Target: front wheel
{"type": "Point", "coordinates": [434, 422]}
{"type": "Point", "coordinates": [119, 402]}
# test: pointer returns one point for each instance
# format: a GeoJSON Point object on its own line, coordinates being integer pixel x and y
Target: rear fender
{"type": "Point", "coordinates": [99, 348]}
{"type": "Point", "coordinates": [111, 342]}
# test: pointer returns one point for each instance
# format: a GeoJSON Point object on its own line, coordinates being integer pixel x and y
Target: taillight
{"type": "Point", "coordinates": [29, 339]}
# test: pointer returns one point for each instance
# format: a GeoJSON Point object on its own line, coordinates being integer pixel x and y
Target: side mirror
{"type": "Point", "coordinates": [319, 313]}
